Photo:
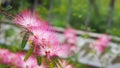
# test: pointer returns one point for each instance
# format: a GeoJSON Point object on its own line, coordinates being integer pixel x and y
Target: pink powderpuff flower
{"type": "Point", "coordinates": [101, 43]}
{"type": "Point", "coordinates": [44, 37]}
{"type": "Point", "coordinates": [50, 49]}
{"type": "Point", "coordinates": [74, 48]}
{"type": "Point", "coordinates": [30, 63]}
{"type": "Point", "coordinates": [70, 35]}
{"type": "Point", "coordinates": [64, 51]}
{"type": "Point", "coordinates": [56, 51]}
{"type": "Point", "coordinates": [98, 47]}
{"type": "Point", "coordinates": [17, 59]}
{"type": "Point", "coordinates": [46, 43]}
{"type": "Point", "coordinates": [71, 38]}
{"type": "Point", "coordinates": [4, 54]}
{"type": "Point", "coordinates": [104, 39]}
{"type": "Point", "coordinates": [28, 20]}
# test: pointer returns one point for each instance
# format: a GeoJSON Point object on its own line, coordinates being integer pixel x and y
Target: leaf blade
{"type": "Point", "coordinates": [30, 51]}
{"type": "Point", "coordinates": [24, 40]}
{"type": "Point", "coordinates": [39, 60]}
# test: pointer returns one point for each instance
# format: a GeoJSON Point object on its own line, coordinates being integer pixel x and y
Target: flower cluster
{"type": "Point", "coordinates": [17, 59]}
{"type": "Point", "coordinates": [44, 38]}
{"type": "Point", "coordinates": [70, 35]}
{"type": "Point", "coordinates": [101, 43]}
{"type": "Point", "coordinates": [71, 39]}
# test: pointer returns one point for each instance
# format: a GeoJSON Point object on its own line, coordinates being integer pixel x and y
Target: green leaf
{"type": "Point", "coordinates": [39, 60]}
{"type": "Point", "coordinates": [56, 61]}
{"type": "Point", "coordinates": [30, 51]}
{"type": "Point", "coordinates": [9, 32]}
{"type": "Point", "coordinates": [3, 66]}
{"type": "Point", "coordinates": [52, 64]}
{"type": "Point", "coordinates": [25, 39]}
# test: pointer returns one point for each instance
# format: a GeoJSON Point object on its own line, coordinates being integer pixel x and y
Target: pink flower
{"type": "Point", "coordinates": [71, 38]}
{"type": "Point", "coordinates": [30, 63]}
{"type": "Point", "coordinates": [28, 20]}
{"type": "Point", "coordinates": [70, 35]}
{"type": "Point", "coordinates": [98, 47]}
{"type": "Point", "coordinates": [44, 37]}
{"type": "Point", "coordinates": [64, 51]}
{"type": "Point", "coordinates": [104, 39]}
{"type": "Point", "coordinates": [51, 48]}
{"type": "Point", "coordinates": [101, 43]}
{"type": "Point", "coordinates": [17, 59]}
{"type": "Point", "coordinates": [47, 44]}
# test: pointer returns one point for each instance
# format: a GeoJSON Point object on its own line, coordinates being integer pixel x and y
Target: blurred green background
{"type": "Point", "coordinates": [57, 12]}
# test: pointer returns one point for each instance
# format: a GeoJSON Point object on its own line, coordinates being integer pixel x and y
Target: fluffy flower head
{"type": "Point", "coordinates": [70, 35]}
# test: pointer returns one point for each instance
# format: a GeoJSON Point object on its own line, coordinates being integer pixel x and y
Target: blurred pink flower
{"type": "Point", "coordinates": [104, 40]}
{"type": "Point", "coordinates": [44, 37]}
{"type": "Point", "coordinates": [4, 54]}
{"type": "Point", "coordinates": [70, 35]}
{"type": "Point", "coordinates": [71, 38]}
{"type": "Point", "coordinates": [29, 20]}
{"type": "Point", "coordinates": [64, 51]}
{"type": "Point", "coordinates": [101, 43]}
{"type": "Point", "coordinates": [47, 44]}
{"type": "Point", "coordinates": [17, 59]}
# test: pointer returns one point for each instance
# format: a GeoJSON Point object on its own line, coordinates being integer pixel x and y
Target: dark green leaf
{"type": "Point", "coordinates": [39, 60]}
{"type": "Point", "coordinates": [25, 39]}
{"type": "Point", "coordinates": [30, 51]}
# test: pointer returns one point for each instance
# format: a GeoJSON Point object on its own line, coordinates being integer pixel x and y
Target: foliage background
{"type": "Point", "coordinates": [80, 9]}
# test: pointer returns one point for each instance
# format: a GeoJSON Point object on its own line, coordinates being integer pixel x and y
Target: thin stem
{"type": "Point", "coordinates": [96, 8]}
{"type": "Point", "coordinates": [69, 13]}
{"type": "Point", "coordinates": [50, 11]}
{"type": "Point", "coordinates": [35, 5]}
{"type": "Point", "coordinates": [112, 2]}
{"type": "Point", "coordinates": [89, 15]}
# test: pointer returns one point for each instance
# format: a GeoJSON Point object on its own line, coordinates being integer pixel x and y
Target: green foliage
{"type": "Point", "coordinates": [114, 32]}
{"type": "Point", "coordinates": [39, 58]}
{"type": "Point", "coordinates": [85, 36]}
{"type": "Point", "coordinates": [25, 39]}
{"type": "Point", "coordinates": [52, 64]}
{"type": "Point", "coordinates": [29, 52]}
{"type": "Point", "coordinates": [79, 14]}
{"type": "Point", "coordinates": [9, 32]}
{"type": "Point", "coordinates": [7, 8]}
{"type": "Point", "coordinates": [3, 66]}
{"type": "Point", "coordinates": [77, 64]}
{"type": "Point", "coordinates": [11, 48]}
{"type": "Point", "coordinates": [56, 60]}
{"type": "Point", "coordinates": [99, 16]}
